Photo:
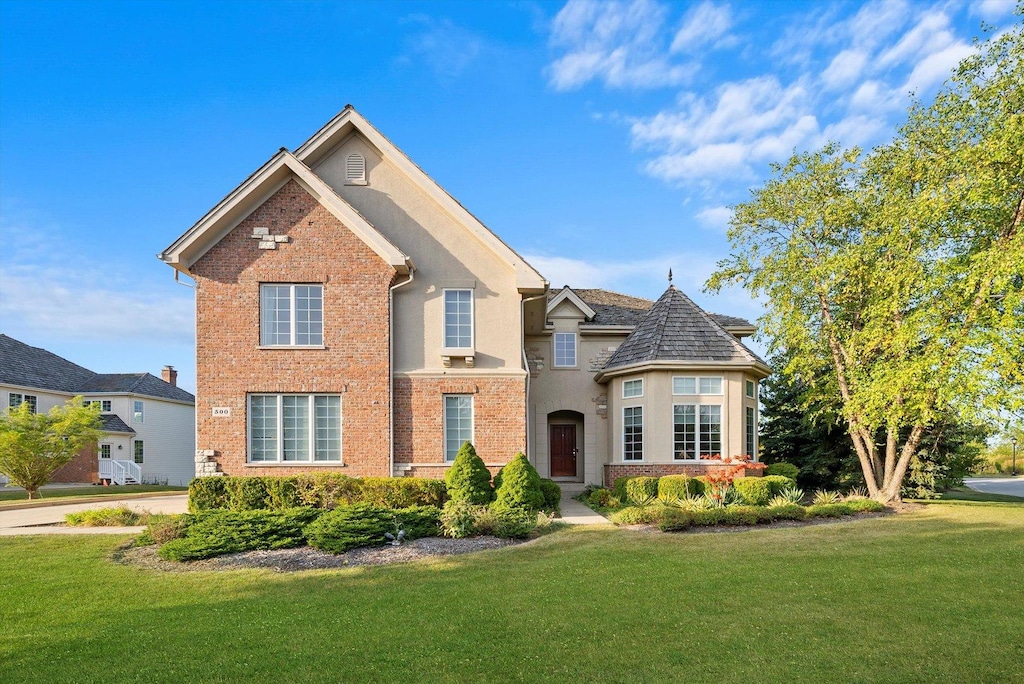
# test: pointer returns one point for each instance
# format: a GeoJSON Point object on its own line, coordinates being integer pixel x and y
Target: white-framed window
{"type": "Point", "coordinates": [138, 412]}
{"type": "Point", "coordinates": [291, 315]}
{"type": "Point", "coordinates": [458, 319]}
{"type": "Point", "coordinates": [565, 350]}
{"type": "Point", "coordinates": [104, 451]}
{"type": "Point", "coordinates": [104, 404]}
{"type": "Point", "coordinates": [16, 400]}
{"type": "Point", "coordinates": [355, 169]}
{"type": "Point", "coordinates": [697, 431]}
{"type": "Point", "coordinates": [294, 428]}
{"type": "Point", "coordinates": [458, 423]}
{"type": "Point", "coordinates": [751, 441]}
{"type": "Point", "coordinates": [633, 433]}
{"type": "Point", "coordinates": [693, 386]}
{"type": "Point", "coordinates": [140, 451]}
{"type": "Point", "coordinates": [632, 388]}
{"type": "Point", "coordinates": [751, 389]}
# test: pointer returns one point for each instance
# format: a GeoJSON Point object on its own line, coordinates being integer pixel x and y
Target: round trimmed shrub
{"type": "Point", "coordinates": [642, 490]}
{"type": "Point", "coordinates": [674, 487]}
{"type": "Point", "coordinates": [754, 490]}
{"type": "Point", "coordinates": [468, 479]}
{"type": "Point", "coordinates": [520, 487]}
{"type": "Point", "coordinates": [782, 468]}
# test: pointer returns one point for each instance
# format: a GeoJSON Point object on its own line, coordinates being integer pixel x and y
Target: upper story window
{"type": "Point", "coordinates": [355, 169]}
{"type": "Point", "coordinates": [565, 350]}
{"type": "Point", "coordinates": [696, 385]}
{"type": "Point", "coordinates": [632, 388]}
{"type": "Point", "coordinates": [751, 389]}
{"type": "Point", "coordinates": [138, 412]}
{"type": "Point", "coordinates": [104, 404]}
{"type": "Point", "coordinates": [16, 400]}
{"type": "Point", "coordinates": [458, 319]}
{"type": "Point", "coordinates": [291, 315]}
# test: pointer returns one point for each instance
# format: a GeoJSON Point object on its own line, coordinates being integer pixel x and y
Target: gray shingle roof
{"type": "Point", "coordinates": [676, 329]}
{"type": "Point", "coordinates": [26, 366]}
{"type": "Point", "coordinates": [614, 308]}
{"type": "Point", "coordinates": [112, 423]}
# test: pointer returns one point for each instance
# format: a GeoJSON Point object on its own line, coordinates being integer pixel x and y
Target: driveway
{"type": "Point", "coordinates": [1014, 486]}
{"type": "Point", "coordinates": [40, 520]}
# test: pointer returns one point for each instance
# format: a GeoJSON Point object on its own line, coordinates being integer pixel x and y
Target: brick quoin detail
{"type": "Point", "coordinates": [354, 362]}
{"type": "Point", "coordinates": [499, 419]}
{"type": "Point", "coordinates": [617, 470]}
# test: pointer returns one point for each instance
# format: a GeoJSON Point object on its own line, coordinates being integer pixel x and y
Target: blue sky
{"type": "Point", "coordinates": [604, 141]}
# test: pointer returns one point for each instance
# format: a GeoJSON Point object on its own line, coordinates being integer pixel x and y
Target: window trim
{"type": "Point", "coordinates": [279, 430]}
{"type": "Point", "coordinates": [751, 389]}
{"type": "Point", "coordinates": [633, 396]}
{"type": "Point", "coordinates": [554, 351]}
{"type": "Point", "coordinates": [105, 404]}
{"type": "Point", "coordinates": [750, 434]}
{"type": "Point", "coordinates": [107, 448]}
{"type": "Point", "coordinates": [641, 410]}
{"type": "Point", "coordinates": [444, 322]}
{"type": "Point", "coordinates": [31, 399]}
{"type": "Point", "coordinates": [697, 441]}
{"type": "Point", "coordinates": [292, 313]}
{"type": "Point", "coordinates": [444, 424]}
{"type": "Point", "coordinates": [696, 386]}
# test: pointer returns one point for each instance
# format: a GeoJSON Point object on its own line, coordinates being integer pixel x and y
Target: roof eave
{"type": "Point", "coordinates": [756, 367]}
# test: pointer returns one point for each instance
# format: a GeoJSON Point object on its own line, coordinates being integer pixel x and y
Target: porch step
{"type": "Point", "coordinates": [571, 488]}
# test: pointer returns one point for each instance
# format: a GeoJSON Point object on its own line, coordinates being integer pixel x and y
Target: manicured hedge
{"type": "Point", "coordinates": [787, 512]}
{"type": "Point", "coordinates": [642, 490]}
{"type": "Point", "coordinates": [214, 533]}
{"type": "Point", "coordinates": [782, 468]}
{"type": "Point", "coordinates": [672, 487]}
{"type": "Point", "coordinates": [619, 488]}
{"type": "Point", "coordinates": [835, 510]}
{"type": "Point", "coordinates": [754, 490]}
{"type": "Point", "coordinates": [675, 520]}
{"type": "Point", "coordinates": [350, 527]}
{"type": "Point", "coordinates": [318, 490]}
{"type": "Point", "coordinates": [552, 495]}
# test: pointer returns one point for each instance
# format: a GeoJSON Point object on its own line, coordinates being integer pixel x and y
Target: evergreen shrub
{"type": "Point", "coordinates": [468, 479]}
{"type": "Point", "coordinates": [520, 487]}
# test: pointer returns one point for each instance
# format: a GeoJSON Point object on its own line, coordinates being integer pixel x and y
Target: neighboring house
{"type": "Point", "coordinates": [148, 422]}
{"type": "Point", "coordinates": [351, 315]}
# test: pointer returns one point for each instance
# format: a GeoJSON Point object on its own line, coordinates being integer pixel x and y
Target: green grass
{"type": "Point", "coordinates": [921, 596]}
{"type": "Point", "coordinates": [965, 494]}
{"type": "Point", "coordinates": [17, 495]}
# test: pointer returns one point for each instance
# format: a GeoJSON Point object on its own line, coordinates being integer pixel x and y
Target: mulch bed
{"type": "Point", "coordinates": [307, 558]}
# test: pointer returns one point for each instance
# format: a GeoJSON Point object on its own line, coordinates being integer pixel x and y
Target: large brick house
{"type": "Point", "coordinates": [352, 315]}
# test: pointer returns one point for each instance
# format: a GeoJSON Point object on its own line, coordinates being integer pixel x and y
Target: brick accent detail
{"type": "Point", "coordinates": [499, 419]}
{"type": "Point", "coordinates": [354, 362]}
{"type": "Point", "coordinates": [83, 468]}
{"type": "Point", "coordinates": [613, 471]}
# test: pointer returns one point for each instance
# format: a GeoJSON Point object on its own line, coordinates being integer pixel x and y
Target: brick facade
{"type": "Point", "coordinates": [613, 471]}
{"type": "Point", "coordinates": [83, 468]}
{"type": "Point", "coordinates": [499, 420]}
{"type": "Point", "coordinates": [354, 362]}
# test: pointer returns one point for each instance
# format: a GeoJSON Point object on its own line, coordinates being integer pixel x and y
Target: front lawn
{"type": "Point", "coordinates": [918, 596]}
{"type": "Point", "coordinates": [9, 496]}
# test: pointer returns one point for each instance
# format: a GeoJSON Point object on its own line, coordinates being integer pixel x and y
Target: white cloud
{"type": "Point", "coordinates": [444, 47]}
{"type": "Point", "coordinates": [705, 24]}
{"type": "Point", "coordinates": [990, 10]}
{"type": "Point", "coordinates": [937, 67]}
{"type": "Point", "coordinates": [619, 43]}
{"type": "Point", "coordinates": [715, 218]}
{"type": "Point", "coordinates": [930, 34]}
{"type": "Point", "coordinates": [846, 67]}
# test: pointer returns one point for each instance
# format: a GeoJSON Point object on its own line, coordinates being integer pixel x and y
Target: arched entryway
{"type": "Point", "coordinates": [565, 445]}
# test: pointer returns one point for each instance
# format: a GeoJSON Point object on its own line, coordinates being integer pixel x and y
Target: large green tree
{"type": "Point", "coordinates": [33, 446]}
{"type": "Point", "coordinates": [901, 269]}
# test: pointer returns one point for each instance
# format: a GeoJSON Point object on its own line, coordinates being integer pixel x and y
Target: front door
{"type": "Point", "coordinates": [563, 451]}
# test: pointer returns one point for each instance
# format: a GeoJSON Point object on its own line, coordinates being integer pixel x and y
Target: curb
{"type": "Point", "coordinates": [72, 500]}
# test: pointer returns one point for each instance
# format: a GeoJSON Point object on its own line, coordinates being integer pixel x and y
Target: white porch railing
{"type": "Point", "coordinates": [120, 472]}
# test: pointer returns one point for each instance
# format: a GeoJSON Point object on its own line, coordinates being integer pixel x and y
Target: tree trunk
{"type": "Point", "coordinates": [32, 493]}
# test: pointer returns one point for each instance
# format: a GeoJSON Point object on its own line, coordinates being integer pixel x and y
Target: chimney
{"type": "Point", "coordinates": [170, 375]}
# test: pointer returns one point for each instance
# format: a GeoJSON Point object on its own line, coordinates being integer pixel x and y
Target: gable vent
{"type": "Point", "coordinates": [355, 169]}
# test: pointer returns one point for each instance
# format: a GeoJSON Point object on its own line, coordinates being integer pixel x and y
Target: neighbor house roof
{"type": "Point", "coordinates": [112, 423]}
{"type": "Point", "coordinates": [675, 329]}
{"type": "Point", "coordinates": [26, 366]}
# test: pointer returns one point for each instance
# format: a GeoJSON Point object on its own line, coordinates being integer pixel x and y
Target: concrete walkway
{"type": "Point", "coordinates": [1014, 486]}
{"type": "Point", "coordinates": [575, 513]}
{"type": "Point", "coordinates": [43, 520]}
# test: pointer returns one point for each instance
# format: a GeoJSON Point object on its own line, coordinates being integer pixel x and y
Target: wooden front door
{"type": "Point", "coordinates": [563, 450]}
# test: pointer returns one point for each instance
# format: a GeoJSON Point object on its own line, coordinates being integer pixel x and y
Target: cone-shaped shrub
{"type": "Point", "coordinates": [468, 479]}
{"type": "Point", "coordinates": [520, 486]}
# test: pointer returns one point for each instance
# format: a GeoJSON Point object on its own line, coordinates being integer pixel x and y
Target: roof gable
{"type": "Point", "coordinates": [676, 329]}
{"type": "Point", "coordinates": [567, 295]}
{"type": "Point", "coordinates": [258, 188]}
{"type": "Point", "coordinates": [323, 142]}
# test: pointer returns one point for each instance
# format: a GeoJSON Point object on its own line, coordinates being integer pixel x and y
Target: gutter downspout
{"type": "Point", "coordinates": [526, 367]}
{"type": "Point", "coordinates": [391, 367]}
